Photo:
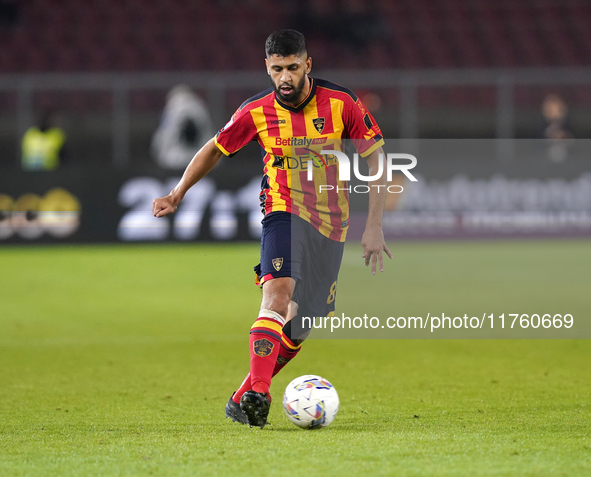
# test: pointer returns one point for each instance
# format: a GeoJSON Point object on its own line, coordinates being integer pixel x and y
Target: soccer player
{"type": "Point", "coordinates": [304, 228]}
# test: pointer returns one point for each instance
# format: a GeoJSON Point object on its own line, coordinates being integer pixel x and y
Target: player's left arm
{"type": "Point", "coordinates": [367, 136]}
{"type": "Point", "coordinates": [373, 242]}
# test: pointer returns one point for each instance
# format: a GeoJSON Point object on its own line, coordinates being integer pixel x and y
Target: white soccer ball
{"type": "Point", "coordinates": [310, 402]}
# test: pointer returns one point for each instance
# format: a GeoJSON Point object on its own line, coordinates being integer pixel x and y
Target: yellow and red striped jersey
{"type": "Point", "coordinates": [289, 135]}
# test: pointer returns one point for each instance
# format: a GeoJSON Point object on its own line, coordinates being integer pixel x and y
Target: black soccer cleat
{"type": "Point", "coordinates": [256, 408]}
{"type": "Point", "coordinates": [234, 412]}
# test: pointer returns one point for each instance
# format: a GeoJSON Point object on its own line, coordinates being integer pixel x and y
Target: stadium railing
{"type": "Point", "coordinates": [217, 85]}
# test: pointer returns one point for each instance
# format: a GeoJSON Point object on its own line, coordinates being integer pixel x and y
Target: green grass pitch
{"type": "Point", "coordinates": [118, 360]}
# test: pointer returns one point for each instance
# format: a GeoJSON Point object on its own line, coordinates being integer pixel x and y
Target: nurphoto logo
{"type": "Point", "coordinates": [345, 170]}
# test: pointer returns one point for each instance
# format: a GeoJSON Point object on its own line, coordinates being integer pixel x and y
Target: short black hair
{"type": "Point", "coordinates": [285, 43]}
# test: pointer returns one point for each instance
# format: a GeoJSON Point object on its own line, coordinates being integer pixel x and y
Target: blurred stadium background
{"type": "Point", "coordinates": [107, 350]}
{"type": "Point", "coordinates": [428, 69]}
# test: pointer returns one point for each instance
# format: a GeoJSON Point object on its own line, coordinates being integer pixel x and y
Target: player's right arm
{"type": "Point", "coordinates": [239, 131]}
{"type": "Point", "coordinates": [203, 162]}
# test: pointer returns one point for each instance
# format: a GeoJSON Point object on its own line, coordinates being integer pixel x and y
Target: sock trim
{"type": "Point", "coordinates": [267, 324]}
{"type": "Point", "coordinates": [266, 332]}
{"type": "Point", "coordinates": [288, 344]}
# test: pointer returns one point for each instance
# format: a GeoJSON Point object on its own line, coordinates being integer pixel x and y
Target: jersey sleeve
{"type": "Point", "coordinates": [237, 133]}
{"type": "Point", "coordinates": [362, 128]}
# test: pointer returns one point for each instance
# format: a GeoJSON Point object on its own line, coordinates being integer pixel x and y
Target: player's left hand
{"type": "Point", "coordinates": [373, 244]}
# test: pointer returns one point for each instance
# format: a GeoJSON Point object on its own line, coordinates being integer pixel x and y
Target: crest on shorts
{"type": "Point", "coordinates": [277, 263]}
{"type": "Point", "coordinates": [318, 124]}
{"type": "Point", "coordinates": [262, 347]}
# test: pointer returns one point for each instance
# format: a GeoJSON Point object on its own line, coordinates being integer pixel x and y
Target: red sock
{"type": "Point", "coordinates": [287, 351]}
{"type": "Point", "coordinates": [265, 339]}
{"type": "Point", "coordinates": [245, 386]}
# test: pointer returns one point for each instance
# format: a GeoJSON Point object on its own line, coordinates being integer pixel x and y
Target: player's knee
{"type": "Point", "coordinates": [299, 329]}
{"type": "Point", "coordinates": [277, 295]}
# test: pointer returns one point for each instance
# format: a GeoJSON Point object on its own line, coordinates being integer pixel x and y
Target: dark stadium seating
{"type": "Point", "coordinates": [115, 35]}
{"type": "Point", "coordinates": [227, 35]}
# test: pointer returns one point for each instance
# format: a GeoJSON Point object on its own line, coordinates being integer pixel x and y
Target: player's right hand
{"type": "Point", "coordinates": [163, 206]}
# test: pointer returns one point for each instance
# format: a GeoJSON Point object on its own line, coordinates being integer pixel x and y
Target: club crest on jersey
{"type": "Point", "coordinates": [318, 124]}
{"type": "Point", "coordinates": [262, 347]}
{"type": "Point", "coordinates": [277, 263]}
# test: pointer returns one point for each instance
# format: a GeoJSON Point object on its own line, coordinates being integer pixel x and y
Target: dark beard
{"type": "Point", "coordinates": [295, 92]}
